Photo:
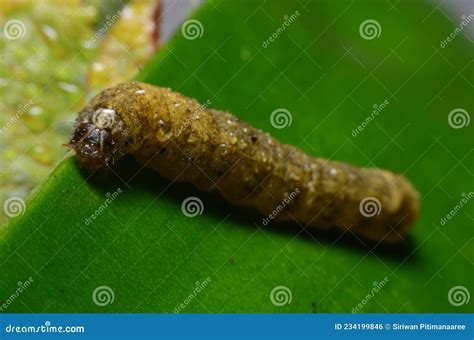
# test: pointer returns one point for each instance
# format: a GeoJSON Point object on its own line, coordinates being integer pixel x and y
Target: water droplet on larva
{"type": "Point", "coordinates": [333, 171]}
{"type": "Point", "coordinates": [161, 122]}
{"type": "Point", "coordinates": [224, 148]}
{"type": "Point", "coordinates": [177, 104]}
{"type": "Point", "coordinates": [139, 91]}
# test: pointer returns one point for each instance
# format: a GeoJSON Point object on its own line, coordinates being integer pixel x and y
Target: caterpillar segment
{"type": "Point", "coordinates": [186, 141]}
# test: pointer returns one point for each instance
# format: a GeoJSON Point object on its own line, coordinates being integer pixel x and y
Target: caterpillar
{"type": "Point", "coordinates": [214, 150]}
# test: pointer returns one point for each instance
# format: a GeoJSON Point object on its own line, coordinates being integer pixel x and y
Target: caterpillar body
{"type": "Point", "coordinates": [214, 150]}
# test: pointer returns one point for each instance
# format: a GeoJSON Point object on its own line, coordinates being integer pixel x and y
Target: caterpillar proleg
{"type": "Point", "coordinates": [214, 150]}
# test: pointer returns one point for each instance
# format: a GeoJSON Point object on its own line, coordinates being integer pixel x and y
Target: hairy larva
{"type": "Point", "coordinates": [214, 150]}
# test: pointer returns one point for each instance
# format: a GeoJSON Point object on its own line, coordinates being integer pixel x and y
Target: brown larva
{"type": "Point", "coordinates": [214, 150]}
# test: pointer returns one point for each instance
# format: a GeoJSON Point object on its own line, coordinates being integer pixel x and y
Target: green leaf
{"type": "Point", "coordinates": [319, 68]}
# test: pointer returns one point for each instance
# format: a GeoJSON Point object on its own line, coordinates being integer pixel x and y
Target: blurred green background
{"type": "Point", "coordinates": [330, 72]}
{"type": "Point", "coordinates": [55, 56]}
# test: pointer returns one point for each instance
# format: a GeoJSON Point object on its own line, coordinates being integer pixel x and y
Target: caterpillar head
{"type": "Point", "coordinates": [94, 138]}
{"type": "Point", "coordinates": [103, 128]}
